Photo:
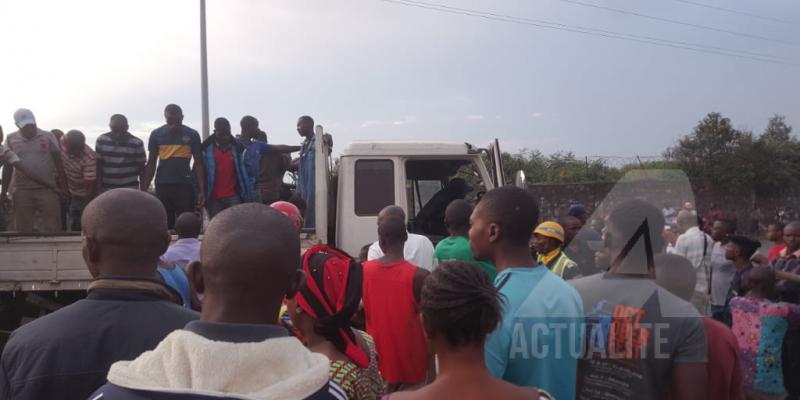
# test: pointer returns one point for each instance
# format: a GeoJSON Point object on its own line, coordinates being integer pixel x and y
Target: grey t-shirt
{"type": "Point", "coordinates": [36, 156]}
{"type": "Point", "coordinates": [635, 332]}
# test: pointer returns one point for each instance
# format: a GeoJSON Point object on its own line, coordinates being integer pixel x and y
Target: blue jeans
{"type": "Point", "coordinates": [216, 205]}
{"type": "Point", "coordinates": [76, 206]}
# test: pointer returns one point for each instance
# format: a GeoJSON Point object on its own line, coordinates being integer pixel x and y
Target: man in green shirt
{"type": "Point", "coordinates": [456, 246]}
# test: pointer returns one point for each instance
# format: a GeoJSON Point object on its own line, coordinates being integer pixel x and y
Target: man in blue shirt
{"type": "Point", "coordinates": [254, 149]}
{"type": "Point", "coordinates": [172, 146]}
{"type": "Point", "coordinates": [538, 341]}
{"type": "Point", "coordinates": [305, 168]}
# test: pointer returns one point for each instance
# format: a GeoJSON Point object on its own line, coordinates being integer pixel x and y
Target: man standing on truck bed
{"type": "Point", "coordinates": [66, 354]}
{"type": "Point", "coordinates": [79, 165]}
{"type": "Point", "coordinates": [37, 189]}
{"type": "Point", "coordinates": [305, 168]}
{"type": "Point", "coordinates": [226, 181]}
{"type": "Point", "coordinates": [255, 150]}
{"type": "Point", "coordinates": [172, 146]}
{"type": "Point", "coordinates": [120, 157]}
{"type": "Point", "coordinates": [7, 157]}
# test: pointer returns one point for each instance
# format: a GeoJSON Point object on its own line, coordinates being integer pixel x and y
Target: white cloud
{"type": "Point", "coordinates": [475, 117]}
{"type": "Point", "coordinates": [407, 120]}
{"type": "Point", "coordinates": [537, 114]}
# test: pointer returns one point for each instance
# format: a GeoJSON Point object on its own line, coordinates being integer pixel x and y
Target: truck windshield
{"type": "Point", "coordinates": [432, 185]}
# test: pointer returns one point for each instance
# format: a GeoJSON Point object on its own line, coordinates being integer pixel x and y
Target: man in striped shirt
{"type": "Point", "coordinates": [120, 157]}
{"type": "Point", "coordinates": [79, 165]}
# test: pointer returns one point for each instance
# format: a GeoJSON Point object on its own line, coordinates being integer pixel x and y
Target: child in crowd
{"type": "Point", "coordinates": [760, 325]}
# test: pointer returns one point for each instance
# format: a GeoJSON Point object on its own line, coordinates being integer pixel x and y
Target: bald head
{"type": "Point", "coordinates": [391, 212]}
{"type": "Point", "coordinates": [249, 261]}
{"type": "Point", "coordinates": [125, 231]}
{"type": "Point", "coordinates": [686, 219]}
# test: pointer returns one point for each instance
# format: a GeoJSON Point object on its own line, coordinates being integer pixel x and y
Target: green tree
{"type": "Point", "coordinates": [710, 153]}
{"type": "Point", "coordinates": [778, 158]}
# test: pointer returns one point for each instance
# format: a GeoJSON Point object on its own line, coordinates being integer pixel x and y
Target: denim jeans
{"type": "Point", "coordinates": [75, 211]}
{"type": "Point", "coordinates": [216, 205]}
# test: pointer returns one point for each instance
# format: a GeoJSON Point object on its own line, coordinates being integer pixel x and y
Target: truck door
{"type": "Point", "coordinates": [496, 158]}
{"type": "Point", "coordinates": [366, 186]}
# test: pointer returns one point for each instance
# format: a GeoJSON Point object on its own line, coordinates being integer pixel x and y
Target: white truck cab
{"type": "Point", "coordinates": [375, 174]}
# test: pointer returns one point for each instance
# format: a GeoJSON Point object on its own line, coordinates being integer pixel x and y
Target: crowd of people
{"type": "Point", "coordinates": [52, 175]}
{"type": "Point", "coordinates": [640, 303]}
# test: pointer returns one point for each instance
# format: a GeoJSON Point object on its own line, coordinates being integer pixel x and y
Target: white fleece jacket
{"type": "Point", "coordinates": [184, 362]}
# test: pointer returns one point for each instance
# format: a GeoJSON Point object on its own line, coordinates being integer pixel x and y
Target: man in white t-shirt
{"type": "Point", "coordinates": [418, 249]}
{"type": "Point", "coordinates": [695, 245]}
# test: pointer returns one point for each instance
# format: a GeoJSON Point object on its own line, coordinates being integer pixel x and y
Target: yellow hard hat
{"type": "Point", "coordinates": [550, 229]}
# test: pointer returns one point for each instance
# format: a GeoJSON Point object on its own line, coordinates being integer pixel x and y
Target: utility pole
{"type": "Point", "coordinates": [204, 68]}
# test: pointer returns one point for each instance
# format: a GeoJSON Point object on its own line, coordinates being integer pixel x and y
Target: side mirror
{"type": "Point", "coordinates": [519, 180]}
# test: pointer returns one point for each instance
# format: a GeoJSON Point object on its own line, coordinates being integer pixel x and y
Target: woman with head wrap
{"type": "Point", "coordinates": [322, 312]}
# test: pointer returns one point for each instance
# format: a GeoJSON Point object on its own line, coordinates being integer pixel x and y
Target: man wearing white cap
{"type": "Point", "coordinates": [37, 187]}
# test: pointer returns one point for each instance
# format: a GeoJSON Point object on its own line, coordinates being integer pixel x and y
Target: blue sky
{"type": "Point", "coordinates": [368, 69]}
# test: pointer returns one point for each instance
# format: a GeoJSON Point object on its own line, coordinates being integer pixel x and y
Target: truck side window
{"type": "Point", "coordinates": [374, 186]}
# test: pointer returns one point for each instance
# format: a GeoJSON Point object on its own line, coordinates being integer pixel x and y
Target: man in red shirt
{"type": "Point", "coordinates": [775, 235]}
{"type": "Point", "coordinates": [392, 288]}
{"type": "Point", "coordinates": [226, 183]}
{"type": "Point", "coordinates": [79, 165]}
{"type": "Point", "coordinates": [676, 274]}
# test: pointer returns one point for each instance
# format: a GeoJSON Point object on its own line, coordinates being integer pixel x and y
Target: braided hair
{"type": "Point", "coordinates": [460, 303]}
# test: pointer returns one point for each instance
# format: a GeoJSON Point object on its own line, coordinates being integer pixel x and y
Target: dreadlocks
{"type": "Point", "coordinates": [460, 303]}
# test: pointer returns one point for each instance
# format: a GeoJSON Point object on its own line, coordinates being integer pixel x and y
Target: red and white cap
{"type": "Point", "coordinates": [289, 210]}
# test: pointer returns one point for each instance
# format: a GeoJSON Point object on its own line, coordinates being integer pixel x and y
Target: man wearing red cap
{"type": "Point", "coordinates": [291, 211]}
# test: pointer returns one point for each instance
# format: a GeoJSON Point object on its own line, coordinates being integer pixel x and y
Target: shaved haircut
{"type": "Point", "coordinates": [173, 109]}
{"type": "Point", "coordinates": [686, 218]}
{"type": "Point", "coordinates": [515, 210]}
{"type": "Point", "coordinates": [393, 212]}
{"type": "Point", "coordinates": [127, 224]}
{"type": "Point", "coordinates": [222, 123]}
{"type": "Point", "coordinates": [456, 215]}
{"type": "Point", "coordinates": [249, 121]}
{"type": "Point", "coordinates": [393, 231]}
{"type": "Point", "coordinates": [119, 117]}
{"type": "Point", "coordinates": [249, 249]}
{"type": "Point", "coordinates": [188, 225]}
